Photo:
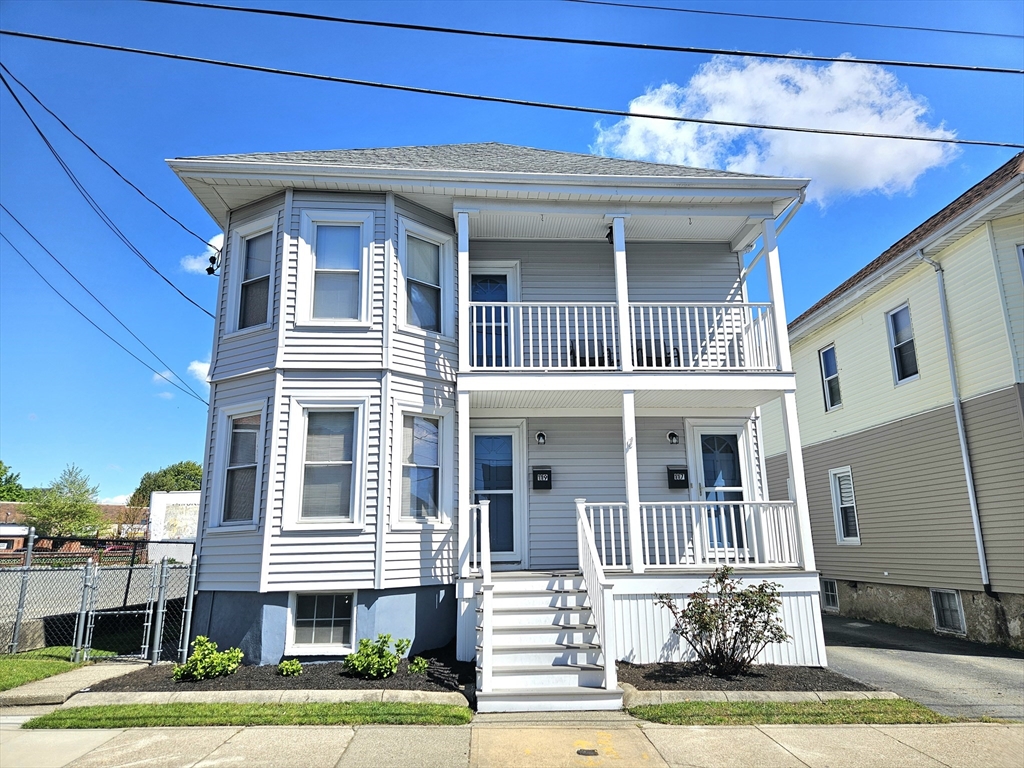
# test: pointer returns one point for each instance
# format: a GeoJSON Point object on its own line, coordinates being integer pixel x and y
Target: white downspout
{"type": "Point", "coordinates": [965, 453]}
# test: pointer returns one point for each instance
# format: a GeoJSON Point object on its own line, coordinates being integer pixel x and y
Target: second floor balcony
{"type": "Point", "coordinates": [589, 337]}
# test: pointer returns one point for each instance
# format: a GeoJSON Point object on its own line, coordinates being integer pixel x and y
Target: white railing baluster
{"type": "Point", "coordinates": [600, 591]}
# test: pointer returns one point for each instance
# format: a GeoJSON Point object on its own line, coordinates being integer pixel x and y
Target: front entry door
{"type": "Point", "coordinates": [721, 480]}
{"type": "Point", "coordinates": [496, 479]}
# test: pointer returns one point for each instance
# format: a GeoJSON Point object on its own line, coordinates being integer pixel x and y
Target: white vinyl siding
{"type": "Point", "coordinates": [1008, 236]}
{"type": "Point", "coordinates": [844, 506]}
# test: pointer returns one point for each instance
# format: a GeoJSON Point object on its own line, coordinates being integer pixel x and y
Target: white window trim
{"type": "Point", "coordinates": [892, 345]}
{"type": "Point", "coordinates": [829, 608]}
{"type": "Point", "coordinates": [225, 414]}
{"type": "Point", "coordinates": [446, 478]}
{"type": "Point", "coordinates": [824, 380]}
{"type": "Point", "coordinates": [695, 427]}
{"type": "Point", "coordinates": [291, 648]}
{"type": "Point", "coordinates": [295, 459]}
{"type": "Point", "coordinates": [840, 539]}
{"type": "Point", "coordinates": [962, 632]}
{"type": "Point", "coordinates": [236, 264]}
{"type": "Point", "coordinates": [507, 267]}
{"type": "Point", "coordinates": [447, 277]}
{"type": "Point", "coordinates": [305, 270]}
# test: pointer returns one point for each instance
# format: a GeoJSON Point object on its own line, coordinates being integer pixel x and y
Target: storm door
{"type": "Point", "coordinates": [496, 478]}
{"type": "Point", "coordinates": [720, 473]}
{"type": "Point", "coordinates": [492, 285]}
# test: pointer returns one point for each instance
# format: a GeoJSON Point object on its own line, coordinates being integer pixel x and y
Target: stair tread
{"type": "Point", "coordinates": [513, 669]}
{"type": "Point", "coordinates": [544, 628]}
{"type": "Point", "coordinates": [546, 648]}
{"type": "Point", "coordinates": [540, 609]}
{"type": "Point", "coordinates": [577, 690]}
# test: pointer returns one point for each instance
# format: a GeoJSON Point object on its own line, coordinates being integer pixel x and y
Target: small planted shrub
{"type": "Point", "coordinates": [207, 662]}
{"type": "Point", "coordinates": [375, 659]}
{"type": "Point", "coordinates": [289, 668]}
{"type": "Point", "coordinates": [418, 666]}
{"type": "Point", "coordinates": [726, 626]}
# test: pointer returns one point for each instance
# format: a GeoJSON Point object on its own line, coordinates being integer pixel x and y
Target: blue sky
{"type": "Point", "coordinates": [69, 395]}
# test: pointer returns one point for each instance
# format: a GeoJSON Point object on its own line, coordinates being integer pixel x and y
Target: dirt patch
{"type": "Point", "coordinates": [443, 674]}
{"type": "Point", "coordinates": [767, 677]}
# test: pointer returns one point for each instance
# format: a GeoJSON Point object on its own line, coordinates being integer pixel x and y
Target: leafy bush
{"type": "Point", "coordinates": [289, 668]}
{"type": "Point", "coordinates": [418, 666]}
{"type": "Point", "coordinates": [727, 626]}
{"type": "Point", "coordinates": [374, 658]}
{"type": "Point", "coordinates": [206, 661]}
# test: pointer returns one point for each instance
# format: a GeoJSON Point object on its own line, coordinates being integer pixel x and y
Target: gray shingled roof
{"type": "Point", "coordinates": [478, 157]}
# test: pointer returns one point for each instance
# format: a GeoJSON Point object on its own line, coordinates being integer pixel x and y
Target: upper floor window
{"type": "Point", "coordinates": [426, 259]}
{"type": "Point", "coordinates": [844, 506]}
{"type": "Point", "coordinates": [830, 377]}
{"type": "Point", "coordinates": [334, 271]}
{"type": "Point", "coordinates": [421, 467]}
{"type": "Point", "coordinates": [901, 340]}
{"type": "Point", "coordinates": [252, 274]}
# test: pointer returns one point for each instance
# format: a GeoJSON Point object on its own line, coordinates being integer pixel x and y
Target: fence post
{"type": "Point", "coordinates": [83, 612]}
{"type": "Point", "coordinates": [186, 617]}
{"type": "Point", "coordinates": [24, 591]}
{"type": "Point", "coordinates": [157, 638]}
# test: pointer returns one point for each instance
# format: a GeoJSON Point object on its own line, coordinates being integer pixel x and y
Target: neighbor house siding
{"type": "Point", "coordinates": [777, 468]}
{"type": "Point", "coordinates": [1007, 235]}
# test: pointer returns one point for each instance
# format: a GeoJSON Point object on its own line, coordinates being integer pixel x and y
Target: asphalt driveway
{"type": "Point", "coordinates": [955, 677]}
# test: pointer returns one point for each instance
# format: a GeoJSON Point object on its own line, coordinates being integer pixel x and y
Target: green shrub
{"type": "Point", "coordinates": [727, 626]}
{"type": "Point", "coordinates": [289, 668]}
{"type": "Point", "coordinates": [206, 661]}
{"type": "Point", "coordinates": [418, 666]}
{"type": "Point", "coordinates": [375, 659]}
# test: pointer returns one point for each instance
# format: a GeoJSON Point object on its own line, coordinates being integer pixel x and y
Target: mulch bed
{"type": "Point", "coordinates": [680, 676]}
{"type": "Point", "coordinates": [443, 674]}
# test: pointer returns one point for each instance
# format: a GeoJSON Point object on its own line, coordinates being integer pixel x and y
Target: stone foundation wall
{"type": "Point", "coordinates": [998, 620]}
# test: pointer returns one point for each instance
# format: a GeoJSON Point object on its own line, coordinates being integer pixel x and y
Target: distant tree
{"type": "Point", "coordinates": [130, 518]}
{"type": "Point", "coordinates": [68, 507]}
{"type": "Point", "coordinates": [10, 487]}
{"type": "Point", "coordinates": [183, 476]}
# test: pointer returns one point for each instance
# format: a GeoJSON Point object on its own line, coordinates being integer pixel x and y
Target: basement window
{"type": "Point", "coordinates": [830, 595]}
{"type": "Point", "coordinates": [321, 623]}
{"type": "Point", "coordinates": [948, 611]}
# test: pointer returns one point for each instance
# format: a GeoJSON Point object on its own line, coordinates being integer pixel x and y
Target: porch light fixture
{"type": "Point", "coordinates": [541, 438]}
{"type": "Point", "coordinates": [673, 438]}
{"type": "Point", "coordinates": [610, 236]}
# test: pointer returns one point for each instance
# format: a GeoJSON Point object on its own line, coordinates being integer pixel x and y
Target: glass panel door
{"type": "Point", "coordinates": [494, 480]}
{"type": "Point", "coordinates": [490, 324]}
{"type": "Point", "coordinates": [722, 481]}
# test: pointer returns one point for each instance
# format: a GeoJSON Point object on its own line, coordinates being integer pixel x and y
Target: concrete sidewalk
{"type": "Point", "coordinates": [543, 740]}
{"type": "Point", "coordinates": [59, 688]}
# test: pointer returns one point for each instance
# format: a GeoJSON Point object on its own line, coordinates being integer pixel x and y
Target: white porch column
{"type": "Point", "coordinates": [463, 519]}
{"type": "Point", "coordinates": [462, 290]}
{"type": "Point", "coordinates": [622, 293]}
{"type": "Point", "coordinates": [636, 552]}
{"type": "Point", "coordinates": [790, 426]}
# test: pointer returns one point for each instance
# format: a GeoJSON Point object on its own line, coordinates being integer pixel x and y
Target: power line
{"type": "Point", "coordinates": [582, 41]}
{"type": "Point", "coordinates": [97, 208]}
{"type": "Point", "coordinates": [104, 161]}
{"type": "Point", "coordinates": [49, 253]}
{"type": "Point", "coordinates": [500, 99]}
{"type": "Point", "coordinates": [797, 18]}
{"type": "Point", "coordinates": [88, 320]}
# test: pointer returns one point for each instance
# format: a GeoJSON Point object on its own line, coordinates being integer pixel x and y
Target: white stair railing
{"type": "Point", "coordinates": [609, 523]}
{"type": "Point", "coordinates": [600, 591]}
{"type": "Point", "coordinates": [480, 562]}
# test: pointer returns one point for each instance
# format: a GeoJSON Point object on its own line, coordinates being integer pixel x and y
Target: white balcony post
{"type": "Point", "coordinates": [464, 519]}
{"type": "Point", "coordinates": [636, 552]}
{"type": "Point", "coordinates": [795, 459]}
{"type": "Point", "coordinates": [774, 273]}
{"type": "Point", "coordinates": [465, 325]}
{"type": "Point", "coordinates": [622, 293]}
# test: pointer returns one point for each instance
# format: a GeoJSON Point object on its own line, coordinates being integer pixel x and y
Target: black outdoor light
{"type": "Point", "coordinates": [673, 438]}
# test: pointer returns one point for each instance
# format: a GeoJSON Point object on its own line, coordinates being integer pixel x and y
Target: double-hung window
{"type": "Point", "coordinates": [901, 341]}
{"type": "Point", "coordinates": [426, 260]}
{"type": "Point", "coordinates": [421, 467]}
{"type": "Point", "coordinates": [334, 268]}
{"type": "Point", "coordinates": [237, 474]}
{"type": "Point", "coordinates": [252, 267]}
{"type": "Point", "coordinates": [830, 377]}
{"type": "Point", "coordinates": [328, 465]}
{"type": "Point", "coordinates": [844, 506]}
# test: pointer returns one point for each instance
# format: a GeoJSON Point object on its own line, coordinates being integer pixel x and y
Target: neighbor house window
{"type": "Point", "coordinates": [254, 298]}
{"type": "Point", "coordinates": [323, 620]}
{"type": "Point", "coordinates": [901, 339]}
{"type": "Point", "coordinates": [421, 466]}
{"type": "Point", "coordinates": [328, 466]}
{"type": "Point", "coordinates": [830, 377]}
{"type": "Point", "coordinates": [949, 615]}
{"type": "Point", "coordinates": [423, 284]}
{"type": "Point", "coordinates": [240, 482]}
{"type": "Point", "coordinates": [829, 595]}
{"type": "Point", "coordinates": [844, 506]}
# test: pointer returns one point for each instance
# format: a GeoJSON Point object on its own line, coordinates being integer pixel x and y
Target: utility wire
{"type": "Point", "coordinates": [797, 18]}
{"type": "Point", "coordinates": [88, 320]}
{"type": "Point", "coordinates": [107, 309]}
{"type": "Point", "coordinates": [500, 99]}
{"type": "Point", "coordinates": [582, 41]}
{"type": "Point", "coordinates": [97, 208]}
{"type": "Point", "coordinates": [104, 161]}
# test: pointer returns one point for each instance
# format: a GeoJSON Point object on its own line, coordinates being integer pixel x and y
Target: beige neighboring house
{"type": "Point", "coordinates": [911, 411]}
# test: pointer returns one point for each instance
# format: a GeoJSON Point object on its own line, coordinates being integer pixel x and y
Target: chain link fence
{"type": "Point", "coordinates": [115, 603]}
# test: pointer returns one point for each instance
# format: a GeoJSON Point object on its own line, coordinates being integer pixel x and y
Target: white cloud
{"type": "Point", "coordinates": [116, 499]}
{"type": "Point", "coordinates": [165, 395]}
{"type": "Point", "coordinates": [198, 263]}
{"type": "Point", "coordinates": [200, 371]}
{"type": "Point", "coordinates": [166, 377]}
{"type": "Point", "coordinates": [841, 96]}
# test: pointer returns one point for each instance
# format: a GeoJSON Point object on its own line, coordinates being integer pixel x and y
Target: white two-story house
{"type": "Point", "coordinates": [496, 396]}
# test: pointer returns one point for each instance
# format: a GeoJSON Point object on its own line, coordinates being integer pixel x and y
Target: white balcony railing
{"type": "Point", "coordinates": [681, 535]}
{"type": "Point", "coordinates": [704, 336]}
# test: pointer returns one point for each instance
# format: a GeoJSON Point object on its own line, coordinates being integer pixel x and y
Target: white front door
{"type": "Point", "coordinates": [497, 478]}
{"type": "Point", "coordinates": [720, 456]}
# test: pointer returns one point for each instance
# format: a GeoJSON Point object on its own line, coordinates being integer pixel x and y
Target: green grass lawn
{"type": "Point", "coordinates": [39, 664]}
{"type": "Point", "coordinates": [839, 711]}
{"type": "Point", "coordinates": [175, 715]}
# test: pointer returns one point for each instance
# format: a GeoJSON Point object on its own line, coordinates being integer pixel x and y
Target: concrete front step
{"type": "Point", "coordinates": [567, 699]}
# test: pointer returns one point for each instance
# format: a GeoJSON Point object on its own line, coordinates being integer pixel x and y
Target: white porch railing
{"type": "Point", "coordinates": [600, 591]}
{"type": "Point", "coordinates": [732, 336]}
{"type": "Point", "coordinates": [609, 524]}
{"type": "Point", "coordinates": [518, 336]}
